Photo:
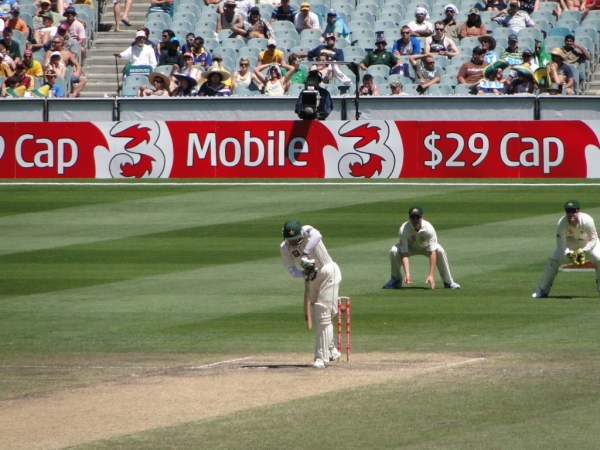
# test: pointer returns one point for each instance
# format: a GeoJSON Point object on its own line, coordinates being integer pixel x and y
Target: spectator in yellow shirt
{"type": "Point", "coordinates": [32, 67]}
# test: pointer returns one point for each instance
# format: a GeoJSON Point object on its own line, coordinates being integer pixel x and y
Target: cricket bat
{"type": "Point", "coordinates": [307, 308]}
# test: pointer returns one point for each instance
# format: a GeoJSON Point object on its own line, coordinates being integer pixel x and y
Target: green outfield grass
{"type": "Point", "coordinates": [157, 273]}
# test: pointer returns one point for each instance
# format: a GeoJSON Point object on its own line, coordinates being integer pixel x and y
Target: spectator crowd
{"type": "Point", "coordinates": [228, 47]}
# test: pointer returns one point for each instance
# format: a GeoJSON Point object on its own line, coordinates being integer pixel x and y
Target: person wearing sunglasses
{"type": "Point", "coordinates": [441, 44]}
{"type": "Point", "coordinates": [407, 44]}
{"type": "Point", "coordinates": [230, 19]}
{"type": "Point", "coordinates": [417, 237]}
{"type": "Point", "coordinates": [452, 25]}
{"type": "Point", "coordinates": [243, 77]}
{"type": "Point", "coordinates": [426, 72]}
{"type": "Point", "coordinates": [576, 241]}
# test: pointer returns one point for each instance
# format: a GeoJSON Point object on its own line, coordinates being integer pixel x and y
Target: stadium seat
{"type": "Point", "coordinates": [441, 61]}
{"type": "Point", "coordinates": [462, 89]}
{"type": "Point", "coordinates": [378, 3]}
{"type": "Point", "coordinates": [136, 80]}
{"type": "Point", "coordinates": [287, 44]}
{"type": "Point", "coordinates": [547, 6]}
{"type": "Point", "coordinates": [362, 15]}
{"type": "Point", "coordinates": [283, 25]}
{"type": "Point", "coordinates": [560, 32]}
{"type": "Point", "coordinates": [319, 8]}
{"type": "Point", "coordinates": [295, 89]}
{"type": "Point", "coordinates": [530, 32]}
{"type": "Point", "coordinates": [394, 16]}
{"type": "Point", "coordinates": [589, 32]}
{"type": "Point", "coordinates": [439, 89]}
{"type": "Point", "coordinates": [363, 33]}
{"type": "Point", "coordinates": [502, 33]}
{"type": "Point", "coordinates": [184, 17]}
{"type": "Point", "coordinates": [571, 24]}
{"type": "Point", "coordinates": [166, 69]}
{"type": "Point", "coordinates": [553, 41]}
{"type": "Point", "coordinates": [157, 25]}
{"type": "Point", "coordinates": [191, 8]}
{"type": "Point", "coordinates": [234, 43]}
{"type": "Point", "coordinates": [459, 60]}
{"type": "Point", "coordinates": [381, 25]}
{"type": "Point", "coordinates": [543, 15]}
{"type": "Point", "coordinates": [369, 7]}
{"type": "Point", "coordinates": [379, 69]}
{"type": "Point", "coordinates": [288, 34]}
{"type": "Point", "coordinates": [449, 79]}
{"type": "Point", "coordinates": [227, 52]}
{"type": "Point", "coordinates": [332, 88]}
{"type": "Point", "coordinates": [573, 15]}
{"type": "Point", "coordinates": [354, 51]}
{"type": "Point", "coordinates": [346, 8]}
{"type": "Point", "coordinates": [128, 90]}
{"type": "Point", "coordinates": [310, 34]}
{"type": "Point", "coordinates": [300, 48]}
{"type": "Point", "coordinates": [259, 43]}
{"type": "Point", "coordinates": [367, 43]}
{"type": "Point", "coordinates": [243, 91]}
{"type": "Point", "coordinates": [159, 17]}
{"type": "Point", "coordinates": [395, 7]}
{"type": "Point", "coordinates": [311, 42]}
{"type": "Point", "coordinates": [411, 89]}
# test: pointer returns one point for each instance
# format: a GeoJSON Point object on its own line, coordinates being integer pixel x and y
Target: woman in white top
{"type": "Point", "coordinates": [275, 84]}
{"type": "Point", "coordinates": [243, 77]}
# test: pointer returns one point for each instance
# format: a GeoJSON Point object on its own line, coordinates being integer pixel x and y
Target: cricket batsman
{"type": "Point", "coordinates": [303, 245]}
{"type": "Point", "coordinates": [418, 237]}
{"type": "Point", "coordinates": [576, 241]}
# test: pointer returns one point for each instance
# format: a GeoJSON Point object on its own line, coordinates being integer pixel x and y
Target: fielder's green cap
{"type": "Point", "coordinates": [415, 211]}
{"type": "Point", "coordinates": [572, 204]}
{"type": "Point", "coordinates": [292, 230]}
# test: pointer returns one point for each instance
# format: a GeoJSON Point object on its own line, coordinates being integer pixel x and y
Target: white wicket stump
{"type": "Point", "coordinates": [344, 307]}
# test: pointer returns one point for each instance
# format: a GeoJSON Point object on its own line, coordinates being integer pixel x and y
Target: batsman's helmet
{"type": "Point", "coordinates": [292, 230]}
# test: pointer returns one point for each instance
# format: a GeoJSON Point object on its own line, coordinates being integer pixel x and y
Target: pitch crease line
{"type": "Point", "coordinates": [358, 183]}
{"type": "Point", "coordinates": [206, 366]}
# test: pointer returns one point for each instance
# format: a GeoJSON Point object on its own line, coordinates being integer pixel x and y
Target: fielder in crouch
{"type": "Point", "coordinates": [576, 238]}
{"type": "Point", "coordinates": [304, 245]}
{"type": "Point", "coordinates": [417, 237]}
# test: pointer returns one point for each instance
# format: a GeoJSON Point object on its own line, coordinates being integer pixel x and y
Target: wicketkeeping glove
{"type": "Point", "coordinates": [307, 263]}
{"type": "Point", "coordinates": [580, 257]}
{"type": "Point", "coordinates": [310, 273]}
{"type": "Point", "coordinates": [572, 256]}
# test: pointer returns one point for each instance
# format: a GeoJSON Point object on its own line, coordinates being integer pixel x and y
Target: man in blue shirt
{"type": "Point", "coordinates": [284, 12]}
{"type": "Point", "coordinates": [55, 89]}
{"type": "Point", "coordinates": [406, 45]}
{"type": "Point", "coordinates": [335, 54]}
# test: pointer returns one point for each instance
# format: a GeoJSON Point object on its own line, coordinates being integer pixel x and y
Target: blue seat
{"type": "Point", "coordinates": [309, 34]}
{"type": "Point", "coordinates": [282, 25]}
{"type": "Point", "coordinates": [573, 15]}
{"type": "Point", "coordinates": [440, 89]}
{"type": "Point", "coordinates": [259, 42]}
{"type": "Point", "coordinates": [411, 89]}
{"type": "Point", "coordinates": [159, 17]}
{"type": "Point", "coordinates": [363, 33]}
{"type": "Point", "coordinates": [157, 25]}
{"type": "Point", "coordinates": [543, 15]}
{"type": "Point", "coordinates": [571, 24]}
{"type": "Point", "coordinates": [502, 33]}
{"type": "Point", "coordinates": [449, 79]}
{"type": "Point", "coordinates": [233, 43]}
{"type": "Point", "coordinates": [127, 91]}
{"type": "Point", "coordinates": [207, 17]}
{"type": "Point", "coordinates": [287, 44]}
{"type": "Point", "coordinates": [319, 8]}
{"type": "Point", "coordinates": [359, 25]}
{"type": "Point", "coordinates": [184, 17]}
{"type": "Point", "coordinates": [362, 15]}
{"type": "Point", "coordinates": [190, 8]}
{"type": "Point", "coordinates": [367, 43]}
{"type": "Point", "coordinates": [534, 33]}
{"type": "Point", "coordinates": [288, 34]}
{"type": "Point", "coordinates": [394, 16]}
{"type": "Point", "coordinates": [346, 8]}
{"type": "Point", "coordinates": [553, 41]}
{"type": "Point", "coordinates": [462, 89]}
{"type": "Point", "coordinates": [560, 32]}
{"type": "Point", "coordinates": [369, 7]}
{"type": "Point", "coordinates": [459, 60]}
{"type": "Point", "coordinates": [379, 69]}
{"type": "Point", "coordinates": [136, 80]}
{"type": "Point", "coordinates": [381, 25]}
{"type": "Point", "coordinates": [395, 7]}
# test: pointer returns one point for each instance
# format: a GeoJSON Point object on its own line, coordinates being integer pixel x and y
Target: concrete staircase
{"type": "Point", "coordinates": [100, 63]}
{"type": "Point", "coordinates": [593, 86]}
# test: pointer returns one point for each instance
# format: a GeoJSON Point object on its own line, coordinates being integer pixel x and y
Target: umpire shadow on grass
{"type": "Point", "coordinates": [572, 297]}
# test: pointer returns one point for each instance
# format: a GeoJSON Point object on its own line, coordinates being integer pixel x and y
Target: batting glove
{"type": "Point", "coordinates": [310, 274]}
{"type": "Point", "coordinates": [307, 263]}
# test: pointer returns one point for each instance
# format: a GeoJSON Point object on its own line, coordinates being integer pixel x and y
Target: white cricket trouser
{"type": "Point", "coordinates": [559, 258]}
{"type": "Point", "coordinates": [325, 287]}
{"type": "Point", "coordinates": [323, 291]}
{"type": "Point", "coordinates": [441, 261]}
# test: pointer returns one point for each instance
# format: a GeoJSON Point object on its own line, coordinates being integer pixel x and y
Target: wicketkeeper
{"type": "Point", "coordinates": [576, 241]}
{"type": "Point", "coordinates": [303, 245]}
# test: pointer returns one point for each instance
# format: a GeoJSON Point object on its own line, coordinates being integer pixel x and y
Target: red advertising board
{"type": "Point", "coordinates": [301, 149]}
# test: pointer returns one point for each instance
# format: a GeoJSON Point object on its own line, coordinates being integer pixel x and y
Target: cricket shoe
{"type": "Point", "coordinates": [393, 284]}
{"type": "Point", "coordinates": [334, 354]}
{"type": "Point", "coordinates": [452, 285]}
{"type": "Point", "coordinates": [540, 293]}
{"type": "Point", "coordinates": [319, 364]}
